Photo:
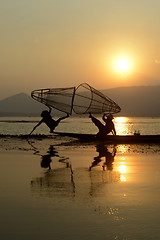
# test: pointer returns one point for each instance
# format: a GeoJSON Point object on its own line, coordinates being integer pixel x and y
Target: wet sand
{"type": "Point", "coordinates": [59, 189]}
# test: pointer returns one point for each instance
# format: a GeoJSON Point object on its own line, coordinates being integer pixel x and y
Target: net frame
{"type": "Point", "coordinates": [45, 96]}
{"type": "Point", "coordinates": [103, 104]}
{"type": "Point", "coordinates": [98, 103]}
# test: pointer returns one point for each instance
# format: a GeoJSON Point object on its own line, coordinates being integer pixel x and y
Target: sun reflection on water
{"type": "Point", "coordinates": [123, 148]}
{"type": "Point", "coordinates": [122, 125]}
{"type": "Point", "coordinates": [122, 169]}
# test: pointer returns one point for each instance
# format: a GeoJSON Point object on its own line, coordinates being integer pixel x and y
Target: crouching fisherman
{"type": "Point", "coordinates": [49, 121]}
{"type": "Point", "coordinates": [104, 129]}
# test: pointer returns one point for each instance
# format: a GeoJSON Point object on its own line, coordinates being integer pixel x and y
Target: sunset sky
{"type": "Point", "coordinates": [62, 43]}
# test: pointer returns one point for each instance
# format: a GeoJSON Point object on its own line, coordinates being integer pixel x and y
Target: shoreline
{"type": "Point", "coordinates": [42, 143]}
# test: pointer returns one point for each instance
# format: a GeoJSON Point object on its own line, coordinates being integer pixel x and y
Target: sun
{"type": "Point", "coordinates": [122, 65]}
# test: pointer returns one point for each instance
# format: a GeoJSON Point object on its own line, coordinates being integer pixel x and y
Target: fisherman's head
{"type": "Point", "coordinates": [45, 113]}
{"type": "Point", "coordinates": [110, 116]}
{"type": "Point", "coordinates": [107, 118]}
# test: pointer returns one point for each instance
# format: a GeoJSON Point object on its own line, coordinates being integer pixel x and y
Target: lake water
{"type": "Point", "coordinates": [124, 125]}
{"type": "Point", "coordinates": [64, 190]}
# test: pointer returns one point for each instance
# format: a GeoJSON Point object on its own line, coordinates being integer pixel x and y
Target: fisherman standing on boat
{"type": "Point", "coordinates": [104, 129]}
{"type": "Point", "coordinates": [48, 120]}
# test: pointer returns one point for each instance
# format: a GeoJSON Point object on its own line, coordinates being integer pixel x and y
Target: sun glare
{"type": "Point", "coordinates": [122, 65]}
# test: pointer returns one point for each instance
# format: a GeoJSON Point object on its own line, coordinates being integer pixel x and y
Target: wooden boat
{"type": "Point", "coordinates": [113, 139]}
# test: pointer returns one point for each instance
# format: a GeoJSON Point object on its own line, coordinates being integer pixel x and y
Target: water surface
{"type": "Point", "coordinates": [71, 191]}
{"type": "Point", "coordinates": [123, 125]}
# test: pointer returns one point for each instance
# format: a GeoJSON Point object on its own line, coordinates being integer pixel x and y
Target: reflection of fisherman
{"type": "Point", "coordinates": [49, 121]}
{"type": "Point", "coordinates": [109, 157]}
{"type": "Point", "coordinates": [104, 129]}
{"type": "Point", "coordinates": [46, 159]}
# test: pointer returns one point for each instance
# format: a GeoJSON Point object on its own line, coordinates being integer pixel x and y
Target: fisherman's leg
{"type": "Point", "coordinates": [97, 122]}
{"type": "Point", "coordinates": [60, 119]}
{"type": "Point", "coordinates": [54, 123]}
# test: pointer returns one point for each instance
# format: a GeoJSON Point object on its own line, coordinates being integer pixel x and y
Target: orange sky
{"type": "Point", "coordinates": [64, 43]}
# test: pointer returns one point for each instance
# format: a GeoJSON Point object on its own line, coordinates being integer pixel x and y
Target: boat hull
{"type": "Point", "coordinates": [114, 139]}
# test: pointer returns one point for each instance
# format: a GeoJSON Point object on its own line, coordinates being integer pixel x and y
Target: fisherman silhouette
{"type": "Point", "coordinates": [48, 120]}
{"type": "Point", "coordinates": [104, 129]}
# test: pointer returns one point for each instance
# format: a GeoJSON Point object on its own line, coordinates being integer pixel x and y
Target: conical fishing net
{"type": "Point", "coordinates": [58, 98]}
{"type": "Point", "coordinates": [82, 100]}
{"type": "Point", "coordinates": [89, 100]}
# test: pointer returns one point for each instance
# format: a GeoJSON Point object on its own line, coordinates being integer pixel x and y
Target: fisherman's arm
{"type": "Point", "coordinates": [40, 122]}
{"type": "Point", "coordinates": [50, 109]}
{"type": "Point", "coordinates": [104, 117]}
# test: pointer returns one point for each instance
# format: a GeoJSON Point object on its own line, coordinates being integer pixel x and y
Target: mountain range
{"type": "Point", "coordinates": [20, 105]}
{"type": "Point", "coordinates": [139, 101]}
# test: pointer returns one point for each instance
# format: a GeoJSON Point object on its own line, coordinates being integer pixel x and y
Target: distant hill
{"type": "Point", "coordinates": [134, 101]}
{"type": "Point", "coordinates": [20, 105]}
{"type": "Point", "coordinates": [138, 101]}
